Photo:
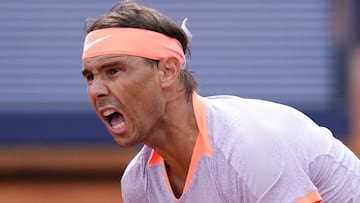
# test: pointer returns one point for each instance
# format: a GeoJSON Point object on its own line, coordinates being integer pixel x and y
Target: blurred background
{"type": "Point", "coordinates": [53, 148]}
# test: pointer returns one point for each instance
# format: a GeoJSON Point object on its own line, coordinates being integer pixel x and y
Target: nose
{"type": "Point", "coordinates": [97, 89]}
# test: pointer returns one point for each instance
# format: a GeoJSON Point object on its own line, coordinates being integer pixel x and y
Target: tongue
{"type": "Point", "coordinates": [116, 119]}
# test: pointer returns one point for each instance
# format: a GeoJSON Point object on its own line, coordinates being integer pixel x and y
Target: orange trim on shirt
{"type": "Point", "coordinates": [312, 197]}
{"type": "Point", "coordinates": [202, 144]}
{"type": "Point", "coordinates": [200, 116]}
{"type": "Point", "coordinates": [155, 158]}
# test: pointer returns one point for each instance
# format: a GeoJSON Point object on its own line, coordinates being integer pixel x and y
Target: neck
{"type": "Point", "coordinates": [174, 138]}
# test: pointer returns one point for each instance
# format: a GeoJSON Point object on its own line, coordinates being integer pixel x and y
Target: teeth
{"type": "Point", "coordinates": [108, 112]}
{"type": "Point", "coordinates": [120, 125]}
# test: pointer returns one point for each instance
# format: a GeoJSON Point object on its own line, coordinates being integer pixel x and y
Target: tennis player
{"type": "Point", "coordinates": [202, 149]}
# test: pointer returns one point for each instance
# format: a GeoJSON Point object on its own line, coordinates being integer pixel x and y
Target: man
{"type": "Point", "coordinates": [197, 149]}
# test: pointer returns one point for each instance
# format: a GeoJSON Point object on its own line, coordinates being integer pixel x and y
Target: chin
{"type": "Point", "coordinates": [124, 142]}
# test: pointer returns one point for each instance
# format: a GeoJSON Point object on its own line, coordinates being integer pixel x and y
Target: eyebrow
{"type": "Point", "coordinates": [110, 64]}
{"type": "Point", "coordinates": [103, 66]}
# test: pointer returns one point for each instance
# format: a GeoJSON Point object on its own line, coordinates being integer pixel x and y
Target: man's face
{"type": "Point", "coordinates": [126, 94]}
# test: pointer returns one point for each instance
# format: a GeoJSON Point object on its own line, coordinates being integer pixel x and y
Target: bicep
{"type": "Point", "coordinates": [274, 172]}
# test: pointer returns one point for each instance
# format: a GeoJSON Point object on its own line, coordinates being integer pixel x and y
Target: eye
{"type": "Point", "coordinates": [89, 77]}
{"type": "Point", "coordinates": [113, 71]}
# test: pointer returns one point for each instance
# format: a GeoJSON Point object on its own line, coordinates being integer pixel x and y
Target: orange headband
{"type": "Point", "coordinates": [132, 41]}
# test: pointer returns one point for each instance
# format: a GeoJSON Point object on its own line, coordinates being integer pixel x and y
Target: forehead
{"type": "Point", "coordinates": [99, 61]}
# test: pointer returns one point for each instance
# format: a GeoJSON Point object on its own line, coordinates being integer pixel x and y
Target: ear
{"type": "Point", "coordinates": [169, 68]}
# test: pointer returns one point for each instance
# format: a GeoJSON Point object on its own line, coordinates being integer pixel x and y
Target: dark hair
{"type": "Point", "coordinates": [133, 15]}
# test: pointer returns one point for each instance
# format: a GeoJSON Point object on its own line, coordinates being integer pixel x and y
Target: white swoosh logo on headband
{"type": "Point", "coordinates": [87, 46]}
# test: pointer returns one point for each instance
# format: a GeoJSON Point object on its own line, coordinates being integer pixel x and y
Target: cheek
{"type": "Point", "coordinates": [136, 92]}
{"type": "Point", "coordinates": [140, 97]}
{"type": "Point", "coordinates": [140, 90]}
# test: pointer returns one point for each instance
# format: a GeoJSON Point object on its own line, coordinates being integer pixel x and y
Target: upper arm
{"type": "Point", "coordinates": [133, 182]}
{"type": "Point", "coordinates": [132, 189]}
{"type": "Point", "coordinates": [275, 171]}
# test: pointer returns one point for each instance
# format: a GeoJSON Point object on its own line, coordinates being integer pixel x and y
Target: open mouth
{"type": "Point", "coordinates": [114, 118]}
